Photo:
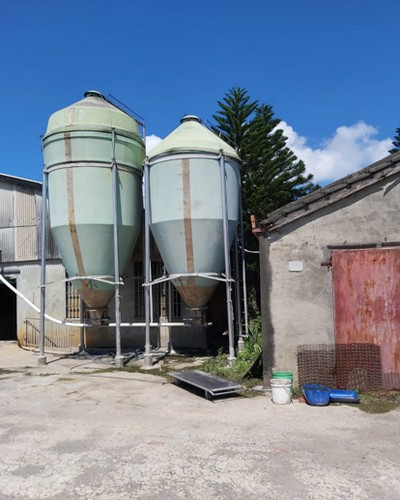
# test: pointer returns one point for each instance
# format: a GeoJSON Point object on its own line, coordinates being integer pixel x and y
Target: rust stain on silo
{"type": "Point", "coordinates": [71, 211]}
{"type": "Point", "coordinates": [187, 215]}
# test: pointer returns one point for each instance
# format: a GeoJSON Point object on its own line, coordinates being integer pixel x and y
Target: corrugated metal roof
{"type": "Point", "coordinates": [8, 177]}
{"type": "Point", "coordinates": [331, 193]}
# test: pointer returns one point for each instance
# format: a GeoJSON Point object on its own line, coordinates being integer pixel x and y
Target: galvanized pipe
{"type": "Point", "coordinates": [82, 346]}
{"type": "Point", "coordinates": [35, 308]}
{"type": "Point", "coordinates": [42, 357]}
{"type": "Point", "coordinates": [169, 301]}
{"type": "Point", "coordinates": [118, 356]}
{"type": "Point", "coordinates": [238, 312]}
{"type": "Point", "coordinates": [141, 325]}
{"type": "Point", "coordinates": [147, 264]}
{"type": "Point", "coordinates": [232, 357]}
{"type": "Point", "coordinates": [244, 281]}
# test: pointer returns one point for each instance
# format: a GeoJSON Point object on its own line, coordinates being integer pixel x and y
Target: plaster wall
{"type": "Point", "coordinates": [297, 306]}
{"type": "Point", "coordinates": [28, 283]}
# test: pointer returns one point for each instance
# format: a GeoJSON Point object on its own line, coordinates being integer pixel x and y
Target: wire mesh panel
{"type": "Point", "coordinates": [316, 364]}
{"type": "Point", "coordinates": [343, 366]}
{"type": "Point", "coordinates": [358, 366]}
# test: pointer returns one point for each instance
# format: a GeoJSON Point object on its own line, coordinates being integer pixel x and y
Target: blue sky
{"type": "Point", "coordinates": [328, 68]}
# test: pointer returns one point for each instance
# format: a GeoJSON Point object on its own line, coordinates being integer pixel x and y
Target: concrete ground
{"type": "Point", "coordinates": [67, 432]}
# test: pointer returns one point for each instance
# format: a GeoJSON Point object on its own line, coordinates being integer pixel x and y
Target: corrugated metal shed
{"type": "Point", "coordinates": [20, 218]}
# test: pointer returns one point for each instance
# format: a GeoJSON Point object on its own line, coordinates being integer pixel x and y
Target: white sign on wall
{"type": "Point", "coordinates": [295, 266]}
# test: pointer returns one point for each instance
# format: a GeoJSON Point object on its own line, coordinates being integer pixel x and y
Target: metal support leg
{"type": "Point", "coordinates": [244, 280]}
{"type": "Point", "coordinates": [82, 347]}
{"type": "Point", "coordinates": [238, 312]}
{"type": "Point", "coordinates": [147, 260]}
{"type": "Point", "coordinates": [119, 359]}
{"type": "Point", "coordinates": [170, 300]}
{"type": "Point", "coordinates": [231, 358]}
{"type": "Point", "coordinates": [42, 357]}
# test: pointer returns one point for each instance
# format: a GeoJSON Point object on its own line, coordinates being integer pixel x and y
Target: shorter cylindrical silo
{"type": "Point", "coordinates": [81, 143]}
{"type": "Point", "coordinates": [186, 210]}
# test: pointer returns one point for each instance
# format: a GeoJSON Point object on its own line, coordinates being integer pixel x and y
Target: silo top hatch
{"type": "Point", "coordinates": [93, 112]}
{"type": "Point", "coordinates": [192, 136]}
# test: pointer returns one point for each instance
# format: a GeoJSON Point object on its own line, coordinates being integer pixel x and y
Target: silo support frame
{"type": "Point", "coordinates": [119, 359]}
{"type": "Point", "coordinates": [147, 359]}
{"type": "Point", "coordinates": [229, 307]}
{"type": "Point", "coordinates": [42, 357]}
{"type": "Point", "coordinates": [171, 277]}
{"type": "Point", "coordinates": [238, 315]}
{"type": "Point", "coordinates": [244, 278]}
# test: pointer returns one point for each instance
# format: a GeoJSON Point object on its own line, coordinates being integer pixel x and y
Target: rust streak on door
{"type": "Point", "coordinates": [366, 300]}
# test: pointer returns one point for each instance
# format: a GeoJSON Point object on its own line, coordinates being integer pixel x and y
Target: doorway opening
{"type": "Point", "coordinates": [8, 313]}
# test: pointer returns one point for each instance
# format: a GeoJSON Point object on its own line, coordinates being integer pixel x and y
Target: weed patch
{"type": "Point", "coordinates": [379, 401]}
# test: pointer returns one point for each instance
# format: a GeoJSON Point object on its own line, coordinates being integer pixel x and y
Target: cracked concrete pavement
{"type": "Point", "coordinates": [68, 431]}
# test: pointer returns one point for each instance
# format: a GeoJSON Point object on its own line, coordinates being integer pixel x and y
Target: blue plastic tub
{"type": "Point", "coordinates": [344, 396]}
{"type": "Point", "coordinates": [322, 395]}
{"type": "Point", "coordinates": [316, 394]}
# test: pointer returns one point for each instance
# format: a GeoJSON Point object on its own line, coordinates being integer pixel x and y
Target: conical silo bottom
{"type": "Point", "coordinates": [193, 294]}
{"type": "Point", "coordinates": [96, 300]}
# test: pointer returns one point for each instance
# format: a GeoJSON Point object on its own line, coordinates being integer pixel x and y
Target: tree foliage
{"type": "Point", "coordinates": [396, 142]}
{"type": "Point", "coordinates": [271, 174]}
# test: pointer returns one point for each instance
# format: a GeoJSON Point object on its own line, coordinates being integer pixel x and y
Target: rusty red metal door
{"type": "Point", "coordinates": [366, 286]}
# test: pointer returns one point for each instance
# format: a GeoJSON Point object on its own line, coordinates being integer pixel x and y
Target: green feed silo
{"type": "Point", "coordinates": [78, 146]}
{"type": "Point", "coordinates": [186, 211]}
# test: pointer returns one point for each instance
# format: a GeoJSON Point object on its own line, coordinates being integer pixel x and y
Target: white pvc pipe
{"type": "Point", "coordinates": [50, 318]}
{"type": "Point", "coordinates": [142, 325]}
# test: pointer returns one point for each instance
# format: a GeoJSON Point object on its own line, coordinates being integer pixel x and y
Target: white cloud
{"type": "Point", "coordinates": [151, 141]}
{"type": "Point", "coordinates": [349, 149]}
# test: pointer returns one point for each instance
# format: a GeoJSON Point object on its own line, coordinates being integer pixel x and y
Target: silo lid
{"type": "Point", "coordinates": [192, 136]}
{"type": "Point", "coordinates": [93, 93]}
{"type": "Point", "coordinates": [190, 118]}
{"type": "Point", "coordinates": [93, 112]}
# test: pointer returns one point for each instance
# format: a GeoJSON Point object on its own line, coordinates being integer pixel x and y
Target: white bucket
{"type": "Point", "coordinates": [282, 391]}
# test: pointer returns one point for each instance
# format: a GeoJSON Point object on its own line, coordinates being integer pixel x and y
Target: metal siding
{"type": "Point", "coordinates": [6, 204]}
{"type": "Point", "coordinates": [26, 243]}
{"type": "Point", "coordinates": [51, 248]}
{"type": "Point", "coordinates": [366, 295]}
{"type": "Point", "coordinates": [25, 206]}
{"type": "Point", "coordinates": [7, 244]}
{"type": "Point", "coordinates": [25, 210]}
{"type": "Point", "coordinates": [20, 218]}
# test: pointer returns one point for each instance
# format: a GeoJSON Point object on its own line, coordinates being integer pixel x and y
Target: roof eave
{"type": "Point", "coordinates": [332, 193]}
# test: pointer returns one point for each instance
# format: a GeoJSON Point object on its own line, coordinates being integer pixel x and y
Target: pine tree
{"type": "Point", "coordinates": [231, 118]}
{"type": "Point", "coordinates": [396, 142]}
{"type": "Point", "coordinates": [272, 176]}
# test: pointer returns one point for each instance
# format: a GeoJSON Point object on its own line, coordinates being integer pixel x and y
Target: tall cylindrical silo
{"type": "Point", "coordinates": [186, 210]}
{"type": "Point", "coordinates": [79, 146]}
